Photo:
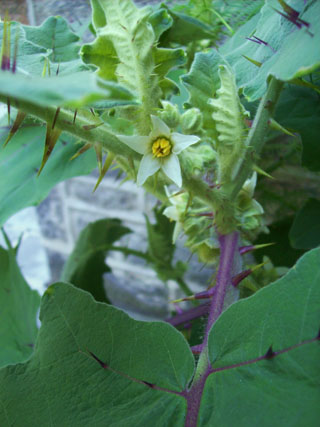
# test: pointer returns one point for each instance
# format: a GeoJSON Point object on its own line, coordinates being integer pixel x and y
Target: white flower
{"type": "Point", "coordinates": [160, 150]}
{"type": "Point", "coordinates": [176, 211]}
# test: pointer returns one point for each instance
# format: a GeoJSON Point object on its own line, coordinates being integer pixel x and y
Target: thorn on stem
{"type": "Point", "coordinates": [270, 354]}
{"type": "Point", "coordinates": [55, 117]}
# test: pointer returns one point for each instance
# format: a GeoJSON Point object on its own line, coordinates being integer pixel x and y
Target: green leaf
{"type": "Point", "coordinates": [161, 249]}
{"type": "Point", "coordinates": [18, 308]}
{"type": "Point", "coordinates": [290, 52]}
{"type": "Point", "coordinates": [185, 29]}
{"type": "Point", "coordinates": [281, 252]}
{"type": "Point", "coordinates": [229, 117]}
{"type": "Point", "coordinates": [299, 110]}
{"type": "Point", "coordinates": [86, 265]}
{"type": "Point", "coordinates": [283, 314]}
{"type": "Point", "coordinates": [305, 230]}
{"type": "Point", "coordinates": [30, 57]}
{"type": "Point", "coordinates": [74, 90]}
{"type": "Point", "coordinates": [102, 54]}
{"type": "Point", "coordinates": [20, 161]}
{"type": "Point", "coordinates": [74, 324]}
{"type": "Point", "coordinates": [202, 83]}
{"type": "Point", "coordinates": [60, 42]}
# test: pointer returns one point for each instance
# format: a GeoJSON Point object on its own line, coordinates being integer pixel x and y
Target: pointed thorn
{"type": "Point", "coordinates": [102, 364]}
{"type": "Point", "coordinates": [262, 172]}
{"type": "Point", "coordinates": [19, 119]}
{"type": "Point", "coordinates": [15, 52]}
{"type": "Point", "coordinates": [276, 126]}
{"type": "Point", "coordinates": [244, 249]}
{"type": "Point", "coordinates": [58, 68]}
{"type": "Point", "coordinates": [235, 280]}
{"type": "Point", "coordinates": [253, 61]}
{"type": "Point", "coordinates": [9, 109]}
{"type": "Point", "coordinates": [92, 112]}
{"type": "Point", "coordinates": [81, 151]}
{"type": "Point", "coordinates": [75, 116]}
{"type": "Point", "coordinates": [197, 349]}
{"type": "Point", "coordinates": [270, 353]}
{"type": "Point", "coordinates": [55, 118]}
{"type": "Point", "coordinates": [148, 384]}
{"type": "Point", "coordinates": [90, 127]}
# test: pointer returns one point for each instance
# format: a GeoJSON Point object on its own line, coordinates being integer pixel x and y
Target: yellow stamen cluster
{"type": "Point", "coordinates": [161, 147]}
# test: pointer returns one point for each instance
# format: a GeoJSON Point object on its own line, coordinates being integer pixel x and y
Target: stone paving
{"type": "Point", "coordinates": [71, 205]}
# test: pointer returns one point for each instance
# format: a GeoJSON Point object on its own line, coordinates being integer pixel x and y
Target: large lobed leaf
{"type": "Point", "coordinates": [18, 311]}
{"type": "Point", "coordinates": [71, 388]}
{"type": "Point", "coordinates": [63, 385]}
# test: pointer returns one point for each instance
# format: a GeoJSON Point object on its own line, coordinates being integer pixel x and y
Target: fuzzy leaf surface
{"type": "Point", "coordinates": [86, 264]}
{"type": "Point", "coordinates": [290, 52]}
{"type": "Point", "coordinates": [73, 324]}
{"type": "Point", "coordinates": [20, 161]}
{"type": "Point", "coordinates": [202, 83]}
{"type": "Point", "coordinates": [18, 309]}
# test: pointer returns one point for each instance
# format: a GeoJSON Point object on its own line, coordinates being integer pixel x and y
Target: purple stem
{"type": "Point", "coordinates": [188, 315]}
{"type": "Point", "coordinates": [228, 248]}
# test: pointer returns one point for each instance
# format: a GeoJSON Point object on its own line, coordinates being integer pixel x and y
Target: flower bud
{"type": "Point", "coordinates": [170, 114]}
{"type": "Point", "coordinates": [191, 121]}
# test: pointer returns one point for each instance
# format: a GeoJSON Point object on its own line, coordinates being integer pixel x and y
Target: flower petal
{"type": "Point", "coordinates": [182, 142]}
{"type": "Point", "coordinates": [149, 165]}
{"type": "Point", "coordinates": [171, 167]}
{"type": "Point", "coordinates": [137, 142]}
{"type": "Point", "coordinates": [159, 128]}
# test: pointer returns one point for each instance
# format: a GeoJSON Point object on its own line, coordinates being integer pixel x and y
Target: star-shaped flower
{"type": "Point", "coordinates": [160, 150]}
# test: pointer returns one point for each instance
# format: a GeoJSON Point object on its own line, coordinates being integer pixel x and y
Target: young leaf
{"type": "Point", "coordinates": [86, 265]}
{"type": "Point", "coordinates": [202, 83]}
{"type": "Point", "coordinates": [228, 116]}
{"type": "Point", "coordinates": [18, 307]}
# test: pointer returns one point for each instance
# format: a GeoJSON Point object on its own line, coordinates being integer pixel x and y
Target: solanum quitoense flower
{"type": "Point", "coordinates": [160, 150]}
